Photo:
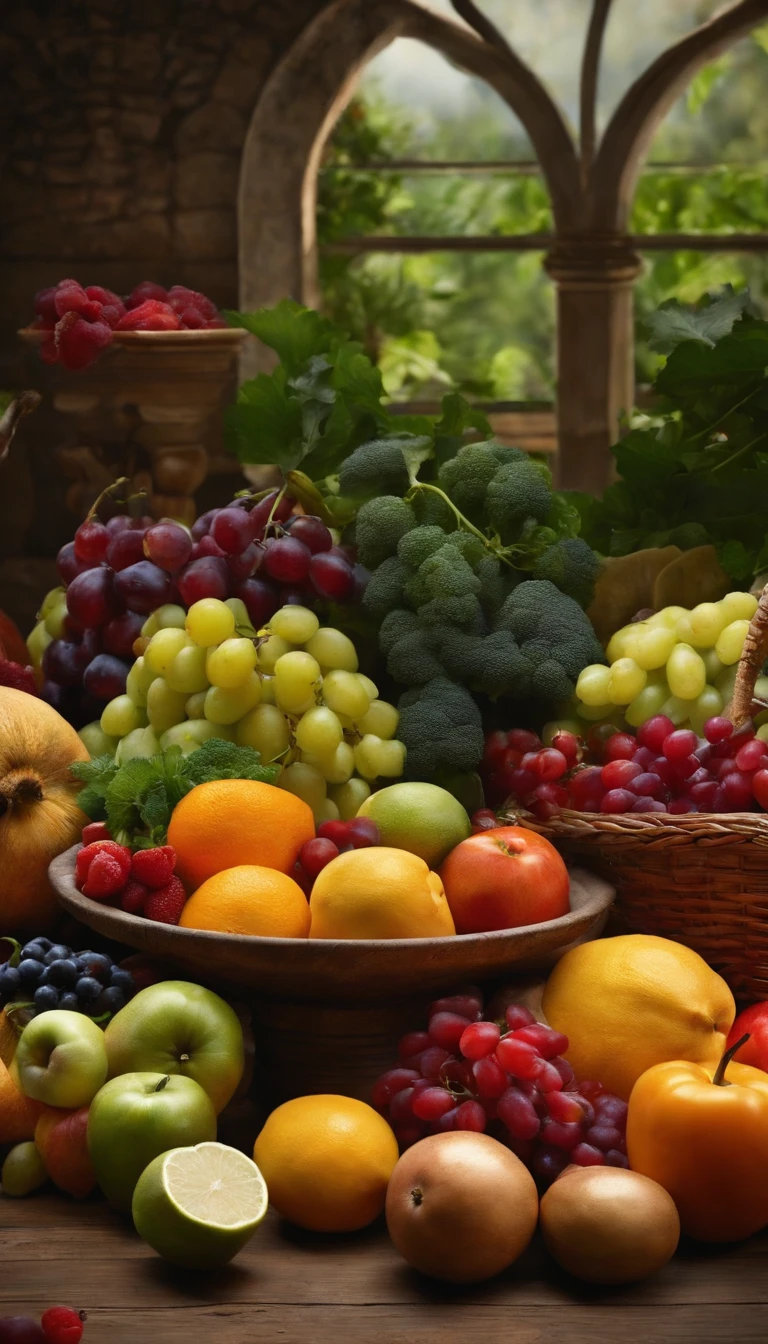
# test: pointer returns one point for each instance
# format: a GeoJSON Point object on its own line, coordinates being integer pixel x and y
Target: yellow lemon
{"type": "Point", "coordinates": [379, 893]}
{"type": "Point", "coordinates": [327, 1161]}
{"type": "Point", "coordinates": [630, 1002]}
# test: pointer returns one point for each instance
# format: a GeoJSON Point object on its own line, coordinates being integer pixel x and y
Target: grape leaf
{"type": "Point", "coordinates": [295, 333]}
{"type": "Point", "coordinates": [674, 322]}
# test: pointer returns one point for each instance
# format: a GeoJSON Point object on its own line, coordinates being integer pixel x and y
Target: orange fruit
{"type": "Point", "coordinates": [18, 1114]}
{"type": "Point", "coordinates": [379, 893]}
{"type": "Point", "coordinates": [258, 902]}
{"type": "Point", "coordinates": [327, 1161]}
{"type": "Point", "coordinates": [230, 822]}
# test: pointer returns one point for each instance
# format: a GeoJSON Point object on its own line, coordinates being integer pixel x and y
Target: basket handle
{"type": "Point", "coordinates": [753, 655]}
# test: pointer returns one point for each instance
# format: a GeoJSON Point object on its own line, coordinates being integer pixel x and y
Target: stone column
{"type": "Point", "coordinates": [594, 276]}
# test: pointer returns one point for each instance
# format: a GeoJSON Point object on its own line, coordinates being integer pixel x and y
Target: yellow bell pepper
{"type": "Point", "coordinates": [702, 1133]}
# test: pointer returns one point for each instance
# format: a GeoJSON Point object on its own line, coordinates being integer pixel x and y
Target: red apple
{"type": "Point", "coordinates": [504, 879]}
{"type": "Point", "coordinates": [753, 1021]}
{"type": "Point", "coordinates": [61, 1139]}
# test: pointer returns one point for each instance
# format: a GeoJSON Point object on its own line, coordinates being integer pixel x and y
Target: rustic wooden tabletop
{"type": "Point", "coordinates": [292, 1287]}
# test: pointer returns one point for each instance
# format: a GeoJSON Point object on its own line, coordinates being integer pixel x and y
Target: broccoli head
{"type": "Point", "coordinates": [441, 727]}
{"type": "Point", "coordinates": [465, 478]}
{"type": "Point", "coordinates": [380, 525]}
{"type": "Point", "coordinates": [384, 590]}
{"type": "Point", "coordinates": [517, 492]}
{"type": "Point", "coordinates": [572, 566]}
{"type": "Point", "coordinates": [412, 661]}
{"type": "Point", "coordinates": [454, 609]}
{"type": "Point", "coordinates": [396, 623]}
{"type": "Point", "coordinates": [550, 627]}
{"type": "Point", "coordinates": [495, 584]}
{"type": "Point", "coordinates": [375, 468]}
{"type": "Point", "coordinates": [416, 546]}
{"type": "Point", "coordinates": [446, 573]}
{"type": "Point", "coordinates": [494, 665]}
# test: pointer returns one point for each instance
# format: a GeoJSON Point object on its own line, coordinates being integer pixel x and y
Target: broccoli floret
{"type": "Point", "coordinates": [416, 546]}
{"type": "Point", "coordinates": [454, 609]}
{"type": "Point", "coordinates": [494, 665]}
{"type": "Point", "coordinates": [503, 454]}
{"type": "Point", "coordinates": [688, 535]}
{"type": "Point", "coordinates": [573, 568]}
{"type": "Point", "coordinates": [465, 478]}
{"type": "Point", "coordinates": [432, 511]}
{"type": "Point", "coordinates": [412, 660]}
{"type": "Point", "coordinates": [494, 584]}
{"type": "Point", "coordinates": [375, 468]}
{"type": "Point", "coordinates": [446, 573]}
{"type": "Point", "coordinates": [517, 492]}
{"type": "Point", "coordinates": [470, 547]}
{"type": "Point", "coordinates": [379, 527]}
{"type": "Point", "coordinates": [384, 591]}
{"type": "Point", "coordinates": [396, 624]}
{"type": "Point", "coordinates": [550, 628]}
{"type": "Point", "coordinates": [441, 727]}
{"type": "Point", "coordinates": [415, 589]}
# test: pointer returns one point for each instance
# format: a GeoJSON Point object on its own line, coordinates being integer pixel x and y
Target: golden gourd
{"type": "Point", "coordinates": [39, 817]}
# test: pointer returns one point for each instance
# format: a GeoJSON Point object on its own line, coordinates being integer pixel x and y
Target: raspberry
{"type": "Point", "coordinates": [152, 315]}
{"type": "Point", "coordinates": [192, 319]}
{"type": "Point", "coordinates": [17, 677]}
{"type": "Point", "coordinates": [45, 306]}
{"type": "Point", "coordinates": [95, 831]}
{"type": "Point", "coordinates": [165, 906]}
{"type": "Point", "coordinates": [105, 877]}
{"type": "Point", "coordinates": [79, 343]}
{"type": "Point", "coordinates": [215, 324]}
{"type": "Point", "coordinates": [154, 867]}
{"type": "Point", "coordinates": [69, 297]}
{"type": "Point", "coordinates": [133, 897]}
{"type": "Point", "coordinates": [146, 290]}
{"type": "Point", "coordinates": [62, 1325]}
{"type": "Point", "coordinates": [181, 298]}
{"type": "Point", "coordinates": [85, 858]}
{"type": "Point", "coordinates": [112, 306]}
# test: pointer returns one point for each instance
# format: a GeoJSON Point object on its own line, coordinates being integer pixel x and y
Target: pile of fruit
{"type": "Point", "coordinates": [78, 322]}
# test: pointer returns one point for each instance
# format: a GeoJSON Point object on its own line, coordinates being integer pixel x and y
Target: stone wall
{"type": "Point", "coordinates": [122, 124]}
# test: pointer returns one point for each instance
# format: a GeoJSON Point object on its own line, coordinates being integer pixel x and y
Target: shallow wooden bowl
{"type": "Point", "coordinates": [331, 1012]}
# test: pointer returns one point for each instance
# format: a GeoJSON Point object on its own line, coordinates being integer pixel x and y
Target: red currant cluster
{"type": "Point", "coordinates": [333, 838]}
{"type": "Point", "coordinates": [78, 322]}
{"type": "Point", "coordinates": [506, 1077]}
{"type": "Point", "coordinates": [140, 884]}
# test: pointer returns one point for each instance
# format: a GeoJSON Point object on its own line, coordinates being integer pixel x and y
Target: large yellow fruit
{"type": "Point", "coordinates": [630, 1002]}
{"type": "Point", "coordinates": [379, 893]}
{"type": "Point", "coordinates": [39, 817]}
{"type": "Point", "coordinates": [327, 1161]}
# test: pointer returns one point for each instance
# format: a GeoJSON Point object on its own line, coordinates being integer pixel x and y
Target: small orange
{"type": "Point", "coordinates": [18, 1114]}
{"type": "Point", "coordinates": [258, 902]}
{"type": "Point", "coordinates": [229, 822]}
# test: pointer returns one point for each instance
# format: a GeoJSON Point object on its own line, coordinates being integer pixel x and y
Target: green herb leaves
{"type": "Point", "coordinates": [136, 799]}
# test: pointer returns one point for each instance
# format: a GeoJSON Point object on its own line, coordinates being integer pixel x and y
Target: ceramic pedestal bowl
{"type": "Point", "coordinates": [331, 1012]}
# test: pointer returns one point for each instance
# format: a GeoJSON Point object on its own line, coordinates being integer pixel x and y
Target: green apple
{"type": "Point", "coordinates": [422, 818]}
{"type": "Point", "coordinates": [136, 1117]}
{"type": "Point", "coordinates": [179, 1028]}
{"type": "Point", "coordinates": [61, 1059]}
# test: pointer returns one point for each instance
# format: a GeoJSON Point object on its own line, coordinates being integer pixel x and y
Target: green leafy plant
{"type": "Point", "coordinates": [136, 799]}
{"type": "Point", "coordinates": [698, 471]}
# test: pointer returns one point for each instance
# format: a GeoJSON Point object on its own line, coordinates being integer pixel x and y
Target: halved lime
{"type": "Point", "coordinates": [199, 1206]}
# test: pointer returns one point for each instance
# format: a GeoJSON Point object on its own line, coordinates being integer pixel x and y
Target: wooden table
{"type": "Point", "coordinates": [291, 1287]}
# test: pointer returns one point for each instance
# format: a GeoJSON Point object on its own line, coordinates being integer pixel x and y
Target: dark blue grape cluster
{"type": "Point", "coordinates": [50, 975]}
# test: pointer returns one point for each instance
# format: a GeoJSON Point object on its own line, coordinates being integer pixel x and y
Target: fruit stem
{"type": "Point", "coordinates": [163, 1083]}
{"type": "Point", "coordinates": [112, 492]}
{"type": "Point", "coordinates": [498, 551]}
{"type": "Point", "coordinates": [275, 505]}
{"type": "Point", "coordinates": [719, 1078]}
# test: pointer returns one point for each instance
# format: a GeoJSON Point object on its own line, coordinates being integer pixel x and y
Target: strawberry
{"type": "Point", "coordinates": [62, 1325]}
{"type": "Point", "coordinates": [154, 867]}
{"type": "Point", "coordinates": [94, 831]}
{"type": "Point", "coordinates": [133, 897]}
{"type": "Point", "coordinates": [105, 877]}
{"type": "Point", "coordinates": [166, 904]}
{"type": "Point", "coordinates": [86, 856]}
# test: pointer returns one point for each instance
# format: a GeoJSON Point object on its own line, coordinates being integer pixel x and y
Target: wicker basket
{"type": "Point", "coordinates": [697, 878]}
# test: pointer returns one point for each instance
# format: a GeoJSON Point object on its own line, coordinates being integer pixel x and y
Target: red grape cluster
{"type": "Point", "coordinates": [79, 321]}
{"type": "Point", "coordinates": [117, 573]}
{"type": "Point", "coordinates": [516, 763]}
{"type": "Point", "coordinates": [662, 769]}
{"type": "Point", "coordinates": [507, 1078]}
{"type": "Point", "coordinates": [333, 838]}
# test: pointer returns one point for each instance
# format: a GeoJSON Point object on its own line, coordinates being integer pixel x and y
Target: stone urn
{"type": "Point", "coordinates": [153, 403]}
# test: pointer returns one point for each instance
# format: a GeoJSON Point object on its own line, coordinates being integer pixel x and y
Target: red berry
{"type": "Point", "coordinates": [584, 1155]}
{"type": "Point", "coordinates": [314, 855]}
{"type": "Point", "coordinates": [133, 897]}
{"type": "Point", "coordinates": [62, 1325]}
{"type": "Point", "coordinates": [517, 1015]}
{"type": "Point", "coordinates": [760, 788]}
{"type": "Point", "coordinates": [362, 832]}
{"type": "Point", "coordinates": [86, 856]}
{"type": "Point", "coordinates": [620, 747]}
{"type": "Point", "coordinates": [654, 732]}
{"type": "Point", "coordinates": [154, 867]}
{"type": "Point", "coordinates": [105, 878]}
{"type": "Point", "coordinates": [385, 1087]}
{"type": "Point", "coordinates": [166, 904]}
{"type": "Point", "coordinates": [445, 1029]}
{"type": "Point", "coordinates": [413, 1043]}
{"type": "Point", "coordinates": [335, 831]}
{"type": "Point", "coordinates": [95, 831]}
{"type": "Point", "coordinates": [568, 744]}
{"type": "Point", "coordinates": [479, 1039]}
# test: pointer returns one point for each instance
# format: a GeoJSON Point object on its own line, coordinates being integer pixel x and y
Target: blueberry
{"type": "Point", "coordinates": [123, 980]}
{"type": "Point", "coordinates": [46, 997]}
{"type": "Point", "coordinates": [45, 943]}
{"type": "Point", "coordinates": [62, 974]}
{"type": "Point", "coordinates": [30, 972]}
{"type": "Point", "coordinates": [57, 953]}
{"type": "Point", "coordinates": [33, 951]}
{"type": "Point", "coordinates": [69, 1001]}
{"type": "Point", "coordinates": [111, 1000]}
{"type": "Point", "coordinates": [10, 983]}
{"type": "Point", "coordinates": [97, 965]}
{"type": "Point", "coordinates": [87, 989]}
